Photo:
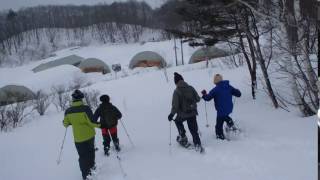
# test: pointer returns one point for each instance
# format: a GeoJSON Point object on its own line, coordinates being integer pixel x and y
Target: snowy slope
{"type": "Point", "coordinates": [275, 144]}
{"type": "Point", "coordinates": [110, 54]}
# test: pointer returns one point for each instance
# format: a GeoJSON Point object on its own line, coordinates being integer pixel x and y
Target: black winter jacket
{"type": "Point", "coordinates": [108, 114]}
{"type": "Point", "coordinates": [179, 101]}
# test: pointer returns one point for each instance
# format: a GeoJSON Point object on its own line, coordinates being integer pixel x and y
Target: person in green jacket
{"type": "Point", "coordinates": [80, 116]}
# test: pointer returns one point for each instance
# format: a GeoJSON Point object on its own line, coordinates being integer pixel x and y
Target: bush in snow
{"type": "Point", "coordinates": [41, 102]}
{"type": "Point", "coordinates": [78, 82]}
{"type": "Point", "coordinates": [91, 98]}
{"type": "Point", "coordinates": [61, 98]}
{"type": "Point", "coordinates": [3, 118]}
{"type": "Point", "coordinates": [16, 113]}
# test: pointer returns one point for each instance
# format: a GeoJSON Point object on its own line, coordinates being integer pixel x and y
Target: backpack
{"type": "Point", "coordinates": [188, 103]}
{"type": "Point", "coordinates": [111, 115]}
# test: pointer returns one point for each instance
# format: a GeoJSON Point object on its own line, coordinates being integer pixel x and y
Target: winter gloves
{"type": "Point", "coordinates": [203, 92]}
{"type": "Point", "coordinates": [170, 117]}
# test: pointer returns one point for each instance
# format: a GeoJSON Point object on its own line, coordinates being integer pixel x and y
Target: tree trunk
{"type": "Point", "coordinates": [252, 69]}
{"type": "Point", "coordinates": [265, 74]}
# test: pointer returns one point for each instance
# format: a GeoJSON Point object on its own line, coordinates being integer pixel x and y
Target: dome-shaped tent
{"type": "Point", "coordinates": [207, 53]}
{"type": "Point", "coordinates": [71, 60]}
{"type": "Point", "coordinates": [12, 93]}
{"type": "Point", "coordinates": [147, 59]}
{"type": "Point", "coordinates": [94, 65]}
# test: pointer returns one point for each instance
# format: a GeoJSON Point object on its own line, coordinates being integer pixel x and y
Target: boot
{"type": "Point", "coordinates": [199, 148]}
{"type": "Point", "coordinates": [117, 146]}
{"type": "Point", "coordinates": [106, 150]}
{"type": "Point", "coordinates": [182, 140]}
{"type": "Point", "coordinates": [221, 137]}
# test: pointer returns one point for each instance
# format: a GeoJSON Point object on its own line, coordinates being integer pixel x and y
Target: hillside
{"type": "Point", "coordinates": [274, 144]}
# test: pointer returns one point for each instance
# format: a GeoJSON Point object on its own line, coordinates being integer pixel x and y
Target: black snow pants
{"type": "Point", "coordinates": [219, 125]}
{"type": "Point", "coordinates": [193, 128]}
{"type": "Point", "coordinates": [86, 156]}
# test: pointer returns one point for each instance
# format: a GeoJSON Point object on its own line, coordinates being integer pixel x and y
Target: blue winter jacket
{"type": "Point", "coordinates": [222, 95]}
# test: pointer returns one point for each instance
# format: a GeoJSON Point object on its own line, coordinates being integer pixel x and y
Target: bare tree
{"type": "Point", "coordinates": [91, 98]}
{"type": "Point", "coordinates": [61, 98]}
{"type": "Point", "coordinates": [16, 113]}
{"type": "Point", "coordinates": [79, 81]}
{"type": "Point", "coordinates": [41, 102]}
{"type": "Point", "coordinates": [3, 118]}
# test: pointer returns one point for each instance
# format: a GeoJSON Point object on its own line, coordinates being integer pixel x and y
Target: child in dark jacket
{"type": "Point", "coordinates": [109, 116]}
{"type": "Point", "coordinates": [222, 95]}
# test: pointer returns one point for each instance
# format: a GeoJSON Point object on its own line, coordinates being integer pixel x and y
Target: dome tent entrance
{"type": "Point", "coordinates": [12, 93]}
{"type": "Point", "coordinates": [71, 60]}
{"type": "Point", "coordinates": [147, 59]}
{"type": "Point", "coordinates": [204, 54]}
{"type": "Point", "coordinates": [94, 65]}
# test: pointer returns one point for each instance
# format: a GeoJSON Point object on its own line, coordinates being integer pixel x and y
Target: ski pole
{"type": "Point", "coordinates": [205, 108]}
{"type": "Point", "coordinates": [126, 133]}
{"type": "Point", "coordinates": [170, 144]}
{"type": "Point", "coordinates": [118, 157]}
{"type": "Point", "coordinates": [60, 153]}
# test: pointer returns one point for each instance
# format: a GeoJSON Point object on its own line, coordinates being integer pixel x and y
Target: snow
{"type": "Point", "coordinates": [274, 145]}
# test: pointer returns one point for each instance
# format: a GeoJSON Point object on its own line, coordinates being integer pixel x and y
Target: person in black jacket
{"type": "Point", "coordinates": [109, 116]}
{"type": "Point", "coordinates": [184, 104]}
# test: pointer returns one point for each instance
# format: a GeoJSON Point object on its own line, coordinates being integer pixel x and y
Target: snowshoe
{"type": "Point", "coordinates": [183, 141]}
{"type": "Point", "coordinates": [106, 151]}
{"type": "Point", "coordinates": [232, 132]}
{"type": "Point", "coordinates": [117, 147]}
{"type": "Point", "coordinates": [199, 149]}
{"type": "Point", "coordinates": [232, 129]}
{"type": "Point", "coordinates": [220, 137]}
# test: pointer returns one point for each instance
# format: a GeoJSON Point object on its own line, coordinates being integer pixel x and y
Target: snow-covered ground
{"type": "Point", "coordinates": [274, 145]}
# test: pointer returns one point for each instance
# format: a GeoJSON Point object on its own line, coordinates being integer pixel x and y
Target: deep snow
{"type": "Point", "coordinates": [274, 145]}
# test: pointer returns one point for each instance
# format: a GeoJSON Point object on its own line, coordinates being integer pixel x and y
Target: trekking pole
{"type": "Point", "coordinates": [170, 144]}
{"type": "Point", "coordinates": [119, 159]}
{"type": "Point", "coordinates": [60, 153]}
{"type": "Point", "coordinates": [205, 108]}
{"type": "Point", "coordinates": [126, 133]}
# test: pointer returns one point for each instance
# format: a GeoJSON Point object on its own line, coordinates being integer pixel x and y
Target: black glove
{"type": "Point", "coordinates": [170, 117]}
{"type": "Point", "coordinates": [203, 92]}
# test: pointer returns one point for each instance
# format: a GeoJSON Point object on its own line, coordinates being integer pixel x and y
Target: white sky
{"type": "Point", "coordinates": [16, 4]}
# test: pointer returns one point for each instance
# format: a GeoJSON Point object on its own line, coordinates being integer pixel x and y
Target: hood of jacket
{"type": "Point", "coordinates": [182, 84]}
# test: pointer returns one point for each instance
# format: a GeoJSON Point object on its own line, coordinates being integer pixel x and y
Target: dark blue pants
{"type": "Point", "coordinates": [219, 125]}
{"type": "Point", "coordinates": [193, 128]}
{"type": "Point", "coordinates": [86, 156]}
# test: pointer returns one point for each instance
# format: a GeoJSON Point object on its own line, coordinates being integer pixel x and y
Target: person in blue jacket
{"type": "Point", "coordinates": [222, 95]}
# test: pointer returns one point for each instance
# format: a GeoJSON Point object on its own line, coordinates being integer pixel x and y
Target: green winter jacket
{"type": "Point", "coordinates": [80, 117]}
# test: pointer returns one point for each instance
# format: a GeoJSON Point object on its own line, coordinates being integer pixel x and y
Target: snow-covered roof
{"type": "Point", "coordinates": [207, 53]}
{"type": "Point", "coordinates": [14, 93]}
{"type": "Point", "coordinates": [147, 56]}
{"type": "Point", "coordinates": [71, 60]}
{"type": "Point", "coordinates": [94, 63]}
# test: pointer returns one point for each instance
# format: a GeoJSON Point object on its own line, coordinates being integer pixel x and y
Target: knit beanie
{"type": "Point", "coordinates": [104, 98]}
{"type": "Point", "coordinates": [177, 77]}
{"type": "Point", "coordinates": [77, 95]}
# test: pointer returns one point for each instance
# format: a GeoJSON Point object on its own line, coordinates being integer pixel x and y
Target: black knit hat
{"type": "Point", "coordinates": [104, 98]}
{"type": "Point", "coordinates": [177, 77]}
{"type": "Point", "coordinates": [77, 95]}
